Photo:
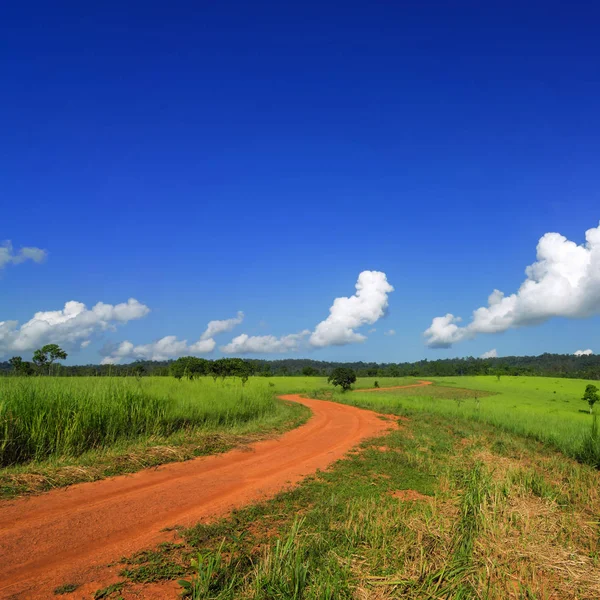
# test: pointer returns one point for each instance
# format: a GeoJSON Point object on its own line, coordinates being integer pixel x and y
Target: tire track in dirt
{"type": "Point", "coordinates": [396, 387]}
{"type": "Point", "coordinates": [69, 535]}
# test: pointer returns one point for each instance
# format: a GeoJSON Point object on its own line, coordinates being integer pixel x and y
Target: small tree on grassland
{"type": "Point", "coordinates": [45, 356]}
{"type": "Point", "coordinates": [591, 396]}
{"type": "Point", "coordinates": [342, 376]}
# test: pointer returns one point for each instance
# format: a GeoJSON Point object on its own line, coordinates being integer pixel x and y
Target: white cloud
{"type": "Point", "coordinates": [490, 354]}
{"type": "Point", "coordinates": [7, 255]}
{"type": "Point", "coordinates": [563, 282]}
{"type": "Point", "coordinates": [85, 344]}
{"type": "Point", "coordinates": [245, 344]}
{"type": "Point", "coordinates": [347, 314]}
{"type": "Point", "coordinates": [70, 326]}
{"type": "Point", "coordinates": [163, 349]}
{"type": "Point", "coordinates": [390, 332]}
{"type": "Point", "coordinates": [587, 352]}
{"type": "Point", "coordinates": [169, 346]}
{"type": "Point", "coordinates": [372, 330]}
{"type": "Point", "coordinates": [215, 327]}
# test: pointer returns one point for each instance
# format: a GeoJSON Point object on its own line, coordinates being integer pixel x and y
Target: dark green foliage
{"type": "Point", "coordinates": [44, 357]}
{"type": "Point", "coordinates": [231, 367]}
{"type": "Point", "coordinates": [309, 371]}
{"type": "Point", "coordinates": [343, 377]}
{"type": "Point", "coordinates": [67, 588]}
{"type": "Point", "coordinates": [108, 591]}
{"type": "Point", "coordinates": [189, 367]}
{"type": "Point", "coordinates": [21, 367]}
{"type": "Point", "coordinates": [589, 452]}
{"type": "Point", "coordinates": [546, 365]}
{"type": "Point", "coordinates": [591, 396]}
{"type": "Point", "coordinates": [16, 362]}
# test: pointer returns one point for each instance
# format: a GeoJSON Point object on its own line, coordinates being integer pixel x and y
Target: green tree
{"type": "Point", "coordinates": [342, 376]}
{"type": "Point", "coordinates": [309, 371]}
{"type": "Point", "coordinates": [16, 362]}
{"type": "Point", "coordinates": [139, 370]}
{"type": "Point", "coordinates": [45, 356]}
{"type": "Point", "coordinates": [21, 367]}
{"type": "Point", "coordinates": [591, 396]}
{"type": "Point", "coordinates": [190, 367]}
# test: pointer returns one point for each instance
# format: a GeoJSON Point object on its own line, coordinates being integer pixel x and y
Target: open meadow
{"type": "Point", "coordinates": [481, 490]}
{"type": "Point", "coordinates": [546, 409]}
{"type": "Point", "coordinates": [447, 506]}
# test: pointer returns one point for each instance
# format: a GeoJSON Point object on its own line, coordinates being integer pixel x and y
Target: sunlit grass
{"type": "Point", "coordinates": [549, 410]}
{"type": "Point", "coordinates": [42, 417]}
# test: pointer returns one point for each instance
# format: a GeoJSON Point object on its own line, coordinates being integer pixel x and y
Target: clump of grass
{"type": "Point", "coordinates": [67, 588]}
{"type": "Point", "coordinates": [50, 417]}
{"type": "Point", "coordinates": [283, 571]}
{"type": "Point", "coordinates": [590, 446]}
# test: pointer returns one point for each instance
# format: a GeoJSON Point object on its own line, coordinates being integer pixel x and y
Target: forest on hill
{"type": "Point", "coordinates": [547, 365]}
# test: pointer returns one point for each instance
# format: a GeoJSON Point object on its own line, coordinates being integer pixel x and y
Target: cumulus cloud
{"type": "Point", "coordinates": [8, 256]}
{"type": "Point", "coordinates": [563, 282]}
{"type": "Point", "coordinates": [587, 352]}
{"type": "Point", "coordinates": [163, 349]}
{"type": "Point", "coordinates": [490, 354]}
{"type": "Point", "coordinates": [85, 344]}
{"type": "Point", "coordinates": [368, 304]}
{"type": "Point", "coordinates": [390, 332]}
{"type": "Point", "coordinates": [215, 327]}
{"type": "Point", "coordinates": [245, 344]}
{"type": "Point", "coordinates": [169, 346]}
{"type": "Point", "coordinates": [71, 326]}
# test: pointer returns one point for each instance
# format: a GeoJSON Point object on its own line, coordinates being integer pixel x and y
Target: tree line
{"type": "Point", "coordinates": [548, 365]}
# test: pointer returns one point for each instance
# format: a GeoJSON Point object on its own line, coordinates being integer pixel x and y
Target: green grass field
{"type": "Point", "coordinates": [58, 431]}
{"type": "Point", "coordinates": [476, 495]}
{"type": "Point", "coordinates": [549, 410]}
{"type": "Point", "coordinates": [45, 417]}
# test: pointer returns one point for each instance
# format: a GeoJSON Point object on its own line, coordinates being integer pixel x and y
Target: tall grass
{"type": "Point", "coordinates": [46, 417]}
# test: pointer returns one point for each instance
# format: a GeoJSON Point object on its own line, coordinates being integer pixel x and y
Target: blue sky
{"type": "Point", "coordinates": [209, 158]}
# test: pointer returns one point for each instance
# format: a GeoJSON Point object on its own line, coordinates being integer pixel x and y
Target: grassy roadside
{"type": "Point", "coordinates": [56, 431]}
{"type": "Point", "coordinates": [545, 409]}
{"type": "Point", "coordinates": [442, 508]}
{"type": "Point", "coordinates": [129, 456]}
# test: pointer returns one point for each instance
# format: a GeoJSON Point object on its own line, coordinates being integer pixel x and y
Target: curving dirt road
{"type": "Point", "coordinates": [68, 535]}
{"type": "Point", "coordinates": [396, 387]}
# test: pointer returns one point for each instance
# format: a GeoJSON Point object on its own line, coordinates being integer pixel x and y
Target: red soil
{"type": "Point", "coordinates": [410, 496]}
{"type": "Point", "coordinates": [68, 535]}
{"type": "Point", "coordinates": [396, 387]}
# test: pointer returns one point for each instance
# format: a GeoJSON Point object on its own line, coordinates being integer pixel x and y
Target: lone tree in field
{"type": "Point", "coordinates": [343, 377]}
{"type": "Point", "coordinates": [591, 396]}
{"type": "Point", "coordinates": [45, 356]}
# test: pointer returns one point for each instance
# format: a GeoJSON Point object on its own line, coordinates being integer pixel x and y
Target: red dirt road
{"type": "Point", "coordinates": [396, 387]}
{"type": "Point", "coordinates": [69, 535]}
